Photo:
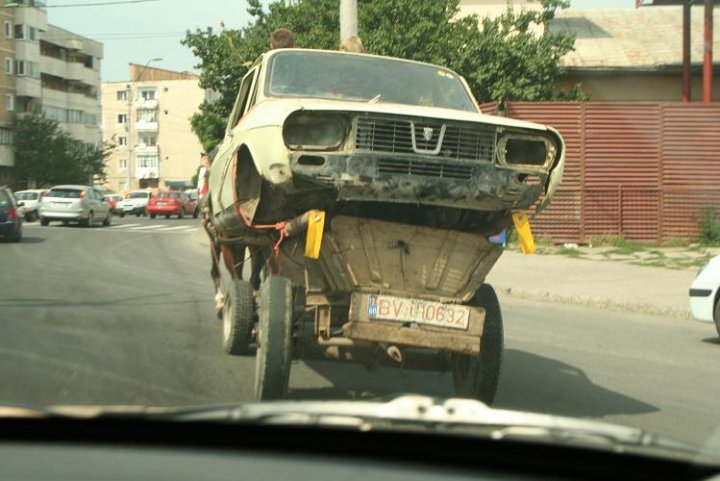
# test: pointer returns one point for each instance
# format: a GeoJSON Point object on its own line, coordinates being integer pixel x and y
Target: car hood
{"type": "Point", "coordinates": [274, 111]}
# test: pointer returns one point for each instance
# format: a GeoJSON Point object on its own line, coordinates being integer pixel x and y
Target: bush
{"type": "Point", "coordinates": [710, 226]}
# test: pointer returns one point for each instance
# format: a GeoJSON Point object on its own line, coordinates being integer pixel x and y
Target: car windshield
{"type": "Point", "coordinates": [26, 195]}
{"type": "Point", "coordinates": [335, 76]}
{"type": "Point", "coordinates": [168, 195]}
{"type": "Point", "coordinates": [138, 195]}
{"type": "Point", "coordinates": [65, 193]}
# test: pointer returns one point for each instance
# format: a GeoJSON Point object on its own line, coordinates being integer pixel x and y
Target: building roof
{"type": "Point", "coordinates": [643, 38]}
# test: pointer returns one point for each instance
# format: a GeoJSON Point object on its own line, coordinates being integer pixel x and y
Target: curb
{"type": "Point", "coordinates": [596, 302]}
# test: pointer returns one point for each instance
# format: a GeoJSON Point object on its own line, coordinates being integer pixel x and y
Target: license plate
{"type": "Point", "coordinates": [128, 207]}
{"type": "Point", "coordinates": [415, 310]}
{"type": "Point", "coordinates": [161, 203]}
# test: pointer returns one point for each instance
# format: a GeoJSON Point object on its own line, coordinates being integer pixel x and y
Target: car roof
{"type": "Point", "coordinates": [31, 190]}
{"type": "Point", "coordinates": [71, 186]}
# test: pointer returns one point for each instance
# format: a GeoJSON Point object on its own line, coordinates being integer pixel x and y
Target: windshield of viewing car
{"type": "Point", "coordinates": [65, 193]}
{"type": "Point", "coordinates": [335, 76]}
{"type": "Point", "coordinates": [26, 196]}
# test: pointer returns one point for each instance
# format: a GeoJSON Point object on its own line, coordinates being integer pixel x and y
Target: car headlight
{"type": "Point", "coordinates": [312, 131]}
{"type": "Point", "coordinates": [526, 150]}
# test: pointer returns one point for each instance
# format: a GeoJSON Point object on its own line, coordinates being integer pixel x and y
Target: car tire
{"type": "Point", "coordinates": [716, 315]}
{"type": "Point", "coordinates": [167, 216]}
{"type": "Point", "coordinates": [137, 214]}
{"type": "Point", "coordinates": [89, 221]}
{"type": "Point", "coordinates": [121, 215]}
{"type": "Point", "coordinates": [108, 220]}
{"type": "Point", "coordinates": [478, 377]}
{"type": "Point", "coordinates": [152, 216]}
{"type": "Point", "coordinates": [181, 213]}
{"type": "Point", "coordinates": [44, 222]}
{"type": "Point", "coordinates": [237, 318]}
{"type": "Point", "coordinates": [32, 216]}
{"type": "Point", "coordinates": [196, 213]}
{"type": "Point", "coordinates": [274, 350]}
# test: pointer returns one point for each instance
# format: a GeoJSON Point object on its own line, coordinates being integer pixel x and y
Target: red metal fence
{"type": "Point", "coordinates": [641, 170]}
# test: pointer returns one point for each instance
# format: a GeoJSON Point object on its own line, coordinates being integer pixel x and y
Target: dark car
{"type": "Point", "coordinates": [10, 221]}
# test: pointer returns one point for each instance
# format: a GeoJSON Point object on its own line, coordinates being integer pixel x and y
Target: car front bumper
{"type": "Point", "coordinates": [129, 210]}
{"type": "Point", "coordinates": [702, 302]}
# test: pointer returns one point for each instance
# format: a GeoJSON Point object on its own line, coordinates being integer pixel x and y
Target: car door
{"type": "Point", "coordinates": [103, 205]}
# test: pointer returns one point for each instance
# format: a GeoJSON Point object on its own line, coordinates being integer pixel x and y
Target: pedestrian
{"type": "Point", "coordinates": [352, 44]}
{"type": "Point", "coordinates": [203, 175]}
{"type": "Point", "coordinates": [282, 38]}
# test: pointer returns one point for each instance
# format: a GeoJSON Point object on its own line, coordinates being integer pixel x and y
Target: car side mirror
{"type": "Point", "coordinates": [21, 204]}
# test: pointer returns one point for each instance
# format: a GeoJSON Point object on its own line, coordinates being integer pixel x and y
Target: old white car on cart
{"type": "Point", "coordinates": [363, 190]}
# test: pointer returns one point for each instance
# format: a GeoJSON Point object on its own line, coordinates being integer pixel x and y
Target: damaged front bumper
{"type": "Point", "coordinates": [416, 179]}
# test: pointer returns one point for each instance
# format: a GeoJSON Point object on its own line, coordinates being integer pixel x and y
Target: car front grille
{"type": "Point", "coordinates": [448, 170]}
{"type": "Point", "coordinates": [394, 135]}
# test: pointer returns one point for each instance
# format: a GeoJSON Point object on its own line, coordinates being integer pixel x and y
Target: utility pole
{"type": "Point", "coordinates": [348, 18]}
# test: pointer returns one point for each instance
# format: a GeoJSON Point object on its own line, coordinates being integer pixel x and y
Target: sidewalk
{"type": "Point", "coordinates": [594, 283]}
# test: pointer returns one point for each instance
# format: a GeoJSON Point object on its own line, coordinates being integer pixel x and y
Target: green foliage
{"type": "Point", "coordinates": [502, 58]}
{"type": "Point", "coordinates": [48, 155]}
{"type": "Point", "coordinates": [710, 226]}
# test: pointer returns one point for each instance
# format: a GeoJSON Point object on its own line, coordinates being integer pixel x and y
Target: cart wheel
{"type": "Point", "coordinates": [478, 376]}
{"type": "Point", "coordinates": [274, 352]}
{"type": "Point", "coordinates": [237, 318]}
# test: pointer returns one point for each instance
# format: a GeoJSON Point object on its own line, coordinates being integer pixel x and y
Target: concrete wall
{"type": "Point", "coordinates": [637, 87]}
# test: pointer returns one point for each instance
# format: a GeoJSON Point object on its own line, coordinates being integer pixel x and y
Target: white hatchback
{"type": "Point", "coordinates": [704, 297]}
{"type": "Point", "coordinates": [74, 203]}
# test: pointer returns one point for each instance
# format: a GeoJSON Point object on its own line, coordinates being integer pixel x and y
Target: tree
{"type": "Point", "coordinates": [47, 155]}
{"type": "Point", "coordinates": [501, 58]}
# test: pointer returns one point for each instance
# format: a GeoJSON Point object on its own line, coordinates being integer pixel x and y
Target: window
{"type": "Point", "coordinates": [149, 116]}
{"type": "Point", "coordinates": [9, 102]}
{"type": "Point", "coordinates": [122, 164]}
{"type": "Point", "coordinates": [122, 140]}
{"type": "Point", "coordinates": [146, 94]}
{"type": "Point", "coordinates": [19, 32]}
{"type": "Point", "coordinates": [6, 136]}
{"type": "Point", "coordinates": [31, 33]}
{"type": "Point", "coordinates": [122, 95]}
{"type": "Point", "coordinates": [9, 65]}
{"type": "Point", "coordinates": [8, 29]}
{"type": "Point", "coordinates": [122, 118]}
{"type": "Point", "coordinates": [147, 161]}
{"type": "Point", "coordinates": [149, 140]}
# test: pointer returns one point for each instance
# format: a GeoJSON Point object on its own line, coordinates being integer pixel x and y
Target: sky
{"type": "Point", "coordinates": [139, 30]}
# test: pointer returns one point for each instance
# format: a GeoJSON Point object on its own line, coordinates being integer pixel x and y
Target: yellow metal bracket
{"type": "Point", "coordinates": [313, 239]}
{"type": "Point", "coordinates": [522, 226]}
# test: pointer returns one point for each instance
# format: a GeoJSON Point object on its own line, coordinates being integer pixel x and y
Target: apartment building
{"type": "Point", "coordinates": [7, 93]}
{"type": "Point", "coordinates": [46, 69]}
{"type": "Point", "coordinates": [148, 119]}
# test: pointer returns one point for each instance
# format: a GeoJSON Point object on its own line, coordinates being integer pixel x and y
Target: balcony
{"type": "Point", "coordinates": [143, 104]}
{"type": "Point", "coordinates": [146, 126]}
{"type": "Point", "coordinates": [144, 149]}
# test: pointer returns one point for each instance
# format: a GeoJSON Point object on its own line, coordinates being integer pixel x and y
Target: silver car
{"type": "Point", "coordinates": [74, 203]}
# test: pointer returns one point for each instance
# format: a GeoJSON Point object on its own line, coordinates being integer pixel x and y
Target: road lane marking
{"type": "Point", "coordinates": [148, 227]}
{"type": "Point", "coordinates": [123, 226]}
{"type": "Point", "coordinates": [177, 227]}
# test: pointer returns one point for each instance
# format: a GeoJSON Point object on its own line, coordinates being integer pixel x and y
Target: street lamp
{"type": "Point", "coordinates": [129, 118]}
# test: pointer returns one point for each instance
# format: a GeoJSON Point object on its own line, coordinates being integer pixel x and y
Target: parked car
{"type": "Point", "coordinates": [134, 203]}
{"type": "Point", "coordinates": [74, 203]}
{"type": "Point", "coordinates": [10, 218]}
{"type": "Point", "coordinates": [31, 203]}
{"type": "Point", "coordinates": [113, 199]}
{"type": "Point", "coordinates": [172, 203]}
{"type": "Point", "coordinates": [705, 295]}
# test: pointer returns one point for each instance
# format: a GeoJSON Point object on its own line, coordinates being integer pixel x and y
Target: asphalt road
{"type": "Point", "coordinates": [124, 315]}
